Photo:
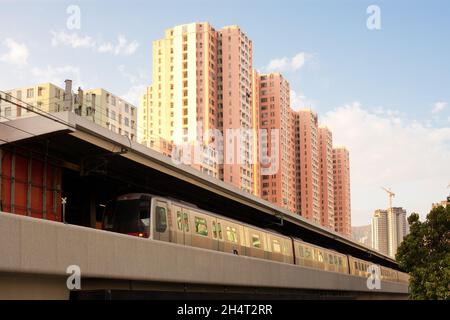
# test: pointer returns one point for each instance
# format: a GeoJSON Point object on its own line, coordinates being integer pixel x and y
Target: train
{"type": "Point", "coordinates": [165, 219]}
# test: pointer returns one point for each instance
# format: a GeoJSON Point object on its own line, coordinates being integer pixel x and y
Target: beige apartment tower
{"type": "Point", "coordinates": [380, 231]}
{"type": "Point", "coordinates": [181, 105]}
{"type": "Point", "coordinates": [389, 227]}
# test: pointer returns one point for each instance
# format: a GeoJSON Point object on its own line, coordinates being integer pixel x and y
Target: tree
{"type": "Point", "coordinates": [425, 255]}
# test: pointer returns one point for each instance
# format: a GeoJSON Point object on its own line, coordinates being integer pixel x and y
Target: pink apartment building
{"type": "Point", "coordinates": [275, 116]}
{"type": "Point", "coordinates": [206, 94]}
{"type": "Point", "coordinates": [237, 109]}
{"type": "Point", "coordinates": [308, 164]}
{"type": "Point", "coordinates": [342, 208]}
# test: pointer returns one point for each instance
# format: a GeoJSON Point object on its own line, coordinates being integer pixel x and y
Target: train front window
{"type": "Point", "coordinates": [128, 216]}
{"type": "Point", "coordinates": [161, 220]}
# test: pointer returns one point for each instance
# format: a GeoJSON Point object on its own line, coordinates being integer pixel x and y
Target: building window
{"type": "Point", "coordinates": [30, 93]}
{"type": "Point", "coordinates": [7, 111]}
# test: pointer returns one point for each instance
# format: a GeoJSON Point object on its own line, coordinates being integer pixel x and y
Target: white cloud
{"type": "Point", "coordinates": [73, 40]}
{"type": "Point", "coordinates": [439, 106]}
{"type": "Point", "coordinates": [299, 100]}
{"type": "Point", "coordinates": [57, 75]}
{"type": "Point", "coordinates": [390, 150]}
{"type": "Point", "coordinates": [133, 94]}
{"type": "Point", "coordinates": [17, 53]}
{"type": "Point", "coordinates": [288, 64]}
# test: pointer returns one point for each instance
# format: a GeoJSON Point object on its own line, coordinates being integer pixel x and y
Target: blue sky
{"type": "Point", "coordinates": [385, 93]}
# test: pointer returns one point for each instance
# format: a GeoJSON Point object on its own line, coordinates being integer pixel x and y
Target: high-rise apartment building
{"type": "Point", "coordinates": [237, 108]}
{"type": "Point", "coordinates": [202, 97]}
{"type": "Point", "coordinates": [389, 227]}
{"type": "Point", "coordinates": [308, 185]}
{"type": "Point", "coordinates": [342, 208]}
{"type": "Point", "coordinates": [278, 187]}
{"type": "Point", "coordinates": [97, 105]}
{"type": "Point", "coordinates": [397, 228]}
{"type": "Point", "coordinates": [207, 97]}
{"type": "Point", "coordinates": [326, 177]}
{"type": "Point", "coordinates": [380, 231]}
{"type": "Point", "coordinates": [181, 105]}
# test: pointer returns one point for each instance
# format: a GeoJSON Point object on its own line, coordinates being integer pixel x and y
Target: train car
{"type": "Point", "coordinates": [159, 218]}
{"type": "Point", "coordinates": [388, 274]}
{"type": "Point", "coordinates": [308, 255]}
{"type": "Point", "coordinates": [164, 219]}
{"type": "Point", "coordinates": [358, 267]}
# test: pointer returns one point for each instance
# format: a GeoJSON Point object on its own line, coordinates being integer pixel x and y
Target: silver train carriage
{"type": "Point", "coordinates": [158, 218]}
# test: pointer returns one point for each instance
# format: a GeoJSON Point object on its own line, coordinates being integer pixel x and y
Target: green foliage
{"type": "Point", "coordinates": [425, 255]}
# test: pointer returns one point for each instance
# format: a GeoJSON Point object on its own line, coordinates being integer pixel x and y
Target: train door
{"type": "Point", "coordinates": [217, 234]}
{"type": "Point", "coordinates": [288, 251]}
{"type": "Point", "coordinates": [187, 227]}
{"type": "Point", "coordinates": [160, 219]}
{"type": "Point", "coordinates": [201, 235]}
{"type": "Point", "coordinates": [232, 238]}
{"type": "Point", "coordinates": [254, 243]}
{"type": "Point", "coordinates": [275, 245]}
{"type": "Point", "coordinates": [177, 232]}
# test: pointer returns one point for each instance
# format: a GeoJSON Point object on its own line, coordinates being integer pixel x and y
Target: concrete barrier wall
{"type": "Point", "coordinates": [45, 249]}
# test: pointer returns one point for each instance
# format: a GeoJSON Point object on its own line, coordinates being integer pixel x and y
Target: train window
{"type": "Point", "coordinates": [161, 219]}
{"type": "Point", "coordinates": [320, 256]}
{"type": "Point", "coordinates": [219, 229]}
{"type": "Point", "coordinates": [308, 254]}
{"type": "Point", "coordinates": [300, 251]}
{"type": "Point", "coordinates": [179, 221]}
{"type": "Point", "coordinates": [276, 246]}
{"type": "Point", "coordinates": [231, 234]}
{"type": "Point", "coordinates": [186, 221]}
{"type": "Point", "coordinates": [200, 226]}
{"type": "Point", "coordinates": [256, 242]}
{"type": "Point", "coordinates": [214, 228]}
{"type": "Point", "coordinates": [144, 215]}
{"type": "Point", "coordinates": [330, 259]}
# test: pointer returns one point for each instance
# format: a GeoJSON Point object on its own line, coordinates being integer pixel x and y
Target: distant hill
{"type": "Point", "coordinates": [363, 234]}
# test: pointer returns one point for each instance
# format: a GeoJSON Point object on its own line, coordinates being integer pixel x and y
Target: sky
{"type": "Point", "coordinates": [384, 92]}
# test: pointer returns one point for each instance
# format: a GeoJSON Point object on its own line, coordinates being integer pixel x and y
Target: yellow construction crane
{"type": "Point", "coordinates": [390, 194]}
